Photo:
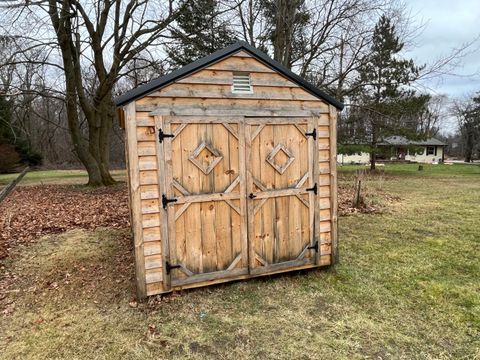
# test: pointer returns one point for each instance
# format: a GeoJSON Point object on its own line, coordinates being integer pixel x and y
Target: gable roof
{"type": "Point", "coordinates": [214, 57]}
{"type": "Point", "coordinates": [401, 140]}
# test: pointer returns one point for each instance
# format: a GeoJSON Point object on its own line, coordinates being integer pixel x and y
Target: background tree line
{"type": "Point", "coordinates": [63, 61]}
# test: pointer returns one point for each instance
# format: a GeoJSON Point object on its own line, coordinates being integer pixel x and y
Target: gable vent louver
{"type": "Point", "coordinates": [241, 83]}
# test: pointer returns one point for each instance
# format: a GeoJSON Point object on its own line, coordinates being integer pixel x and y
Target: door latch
{"type": "Point", "coordinates": [169, 267]}
{"type": "Point", "coordinates": [314, 247]}
{"type": "Point", "coordinates": [165, 201]}
{"type": "Point", "coordinates": [312, 134]}
{"type": "Point", "coordinates": [313, 188]}
{"type": "Point", "coordinates": [252, 196]}
{"type": "Point", "coordinates": [162, 135]}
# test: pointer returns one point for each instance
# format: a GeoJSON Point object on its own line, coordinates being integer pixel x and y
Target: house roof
{"type": "Point", "coordinates": [214, 57]}
{"type": "Point", "coordinates": [401, 140]}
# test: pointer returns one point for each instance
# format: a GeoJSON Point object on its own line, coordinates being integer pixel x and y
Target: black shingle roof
{"type": "Point", "coordinates": [401, 140]}
{"type": "Point", "coordinates": [216, 56]}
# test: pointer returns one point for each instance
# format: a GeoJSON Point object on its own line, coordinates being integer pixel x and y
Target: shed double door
{"type": "Point", "coordinates": [238, 196]}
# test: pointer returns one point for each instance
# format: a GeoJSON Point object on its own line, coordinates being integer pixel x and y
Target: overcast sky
{"type": "Point", "coordinates": [448, 25]}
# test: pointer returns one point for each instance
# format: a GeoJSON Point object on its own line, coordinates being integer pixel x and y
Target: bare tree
{"type": "Point", "coordinates": [468, 115]}
{"type": "Point", "coordinates": [101, 37]}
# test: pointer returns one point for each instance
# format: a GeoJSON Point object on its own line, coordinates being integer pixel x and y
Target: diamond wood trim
{"type": "Point", "coordinates": [208, 169]}
{"type": "Point", "coordinates": [271, 158]}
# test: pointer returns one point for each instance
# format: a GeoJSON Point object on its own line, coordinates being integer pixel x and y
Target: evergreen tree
{"type": "Point", "coordinates": [470, 129]}
{"type": "Point", "coordinates": [14, 145]}
{"type": "Point", "coordinates": [383, 97]}
{"type": "Point", "coordinates": [286, 21]}
{"type": "Point", "coordinates": [199, 32]}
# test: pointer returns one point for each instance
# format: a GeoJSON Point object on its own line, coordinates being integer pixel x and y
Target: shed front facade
{"type": "Point", "coordinates": [232, 172]}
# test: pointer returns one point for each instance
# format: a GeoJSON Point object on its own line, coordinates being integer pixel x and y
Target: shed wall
{"type": "Point", "coordinates": [208, 92]}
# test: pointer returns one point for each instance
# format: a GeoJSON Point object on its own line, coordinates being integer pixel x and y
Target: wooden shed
{"type": "Point", "coordinates": [232, 172]}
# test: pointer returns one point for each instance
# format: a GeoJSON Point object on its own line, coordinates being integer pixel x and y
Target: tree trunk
{"type": "Point", "coordinates": [372, 160]}
{"type": "Point", "coordinates": [92, 152]}
{"type": "Point", "coordinates": [373, 154]}
{"type": "Point", "coordinates": [105, 118]}
{"type": "Point", "coordinates": [99, 138]}
{"type": "Point", "coordinates": [468, 149]}
{"type": "Point", "coordinates": [283, 32]}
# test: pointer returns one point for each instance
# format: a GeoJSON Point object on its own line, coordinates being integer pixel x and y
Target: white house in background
{"type": "Point", "coordinates": [400, 148]}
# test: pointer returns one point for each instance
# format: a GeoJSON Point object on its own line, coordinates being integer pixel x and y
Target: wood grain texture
{"type": "Point", "coordinates": [219, 77]}
{"type": "Point", "coordinates": [135, 197]}
{"type": "Point", "coordinates": [333, 181]}
{"type": "Point", "coordinates": [224, 91]}
{"type": "Point", "coordinates": [243, 64]}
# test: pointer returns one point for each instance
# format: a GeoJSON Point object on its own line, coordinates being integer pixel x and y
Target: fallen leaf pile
{"type": "Point", "coordinates": [30, 212]}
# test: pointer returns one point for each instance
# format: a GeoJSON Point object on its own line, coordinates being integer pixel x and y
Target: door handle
{"type": "Point", "coordinates": [252, 196]}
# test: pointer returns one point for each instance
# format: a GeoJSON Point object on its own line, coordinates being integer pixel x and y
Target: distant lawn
{"type": "Point", "coordinates": [412, 169]}
{"type": "Point", "coordinates": [81, 177]}
{"type": "Point", "coordinates": [407, 287]}
{"type": "Point", "coordinates": [56, 177]}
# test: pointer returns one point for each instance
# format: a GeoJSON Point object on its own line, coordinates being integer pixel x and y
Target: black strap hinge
{"type": "Point", "coordinates": [312, 134]}
{"type": "Point", "coordinates": [165, 201]}
{"type": "Point", "coordinates": [162, 135]}
{"type": "Point", "coordinates": [314, 247]}
{"type": "Point", "coordinates": [169, 266]}
{"type": "Point", "coordinates": [313, 188]}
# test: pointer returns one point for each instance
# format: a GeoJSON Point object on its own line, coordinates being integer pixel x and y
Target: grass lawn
{"type": "Point", "coordinates": [56, 177]}
{"type": "Point", "coordinates": [407, 286]}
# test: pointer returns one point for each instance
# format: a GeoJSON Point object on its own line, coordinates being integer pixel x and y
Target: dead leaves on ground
{"type": "Point", "coordinates": [33, 211]}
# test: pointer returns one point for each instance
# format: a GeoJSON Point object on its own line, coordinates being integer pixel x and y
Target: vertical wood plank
{"type": "Point", "coordinates": [207, 210]}
{"type": "Point", "coordinates": [249, 189]}
{"type": "Point", "coordinates": [163, 214]}
{"type": "Point", "coordinates": [296, 143]}
{"type": "Point", "coordinates": [280, 135]}
{"type": "Point", "coordinates": [135, 199]}
{"type": "Point", "coordinates": [169, 213]}
{"type": "Point", "coordinates": [267, 214]}
{"type": "Point", "coordinates": [222, 179]}
{"type": "Point", "coordinates": [243, 140]}
{"type": "Point", "coordinates": [334, 185]}
{"type": "Point", "coordinates": [177, 174]}
{"type": "Point", "coordinates": [193, 227]}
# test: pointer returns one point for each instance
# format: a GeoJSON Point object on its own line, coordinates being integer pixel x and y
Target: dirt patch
{"type": "Point", "coordinates": [34, 211]}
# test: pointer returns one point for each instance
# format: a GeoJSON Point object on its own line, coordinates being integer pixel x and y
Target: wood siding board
{"type": "Point", "coordinates": [148, 192]}
{"type": "Point", "coordinates": [219, 77]}
{"type": "Point", "coordinates": [334, 186]}
{"type": "Point", "coordinates": [175, 103]}
{"type": "Point", "coordinates": [245, 64]}
{"type": "Point", "coordinates": [154, 262]}
{"type": "Point", "coordinates": [227, 111]}
{"type": "Point", "coordinates": [224, 91]}
{"type": "Point", "coordinates": [135, 199]}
